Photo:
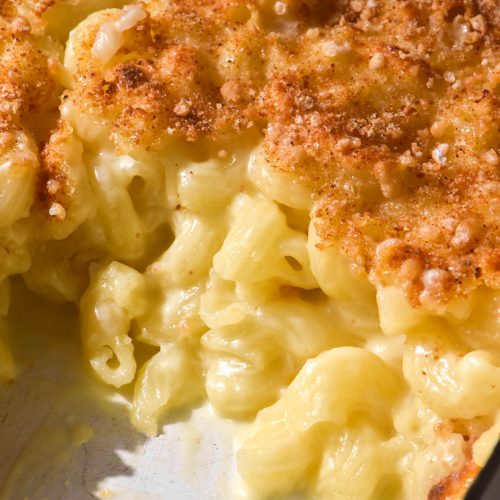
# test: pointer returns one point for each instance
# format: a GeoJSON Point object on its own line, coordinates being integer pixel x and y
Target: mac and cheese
{"type": "Point", "coordinates": [294, 203]}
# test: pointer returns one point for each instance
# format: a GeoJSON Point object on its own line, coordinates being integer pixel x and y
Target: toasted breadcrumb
{"type": "Point", "coordinates": [455, 485]}
{"type": "Point", "coordinates": [387, 110]}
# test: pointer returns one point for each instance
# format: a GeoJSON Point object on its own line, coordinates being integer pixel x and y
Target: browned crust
{"type": "Point", "coordinates": [30, 11]}
{"type": "Point", "coordinates": [356, 130]}
{"type": "Point", "coordinates": [455, 485]}
{"type": "Point", "coordinates": [354, 97]}
{"type": "Point", "coordinates": [43, 6]}
{"type": "Point", "coordinates": [53, 180]}
{"type": "Point", "coordinates": [27, 84]}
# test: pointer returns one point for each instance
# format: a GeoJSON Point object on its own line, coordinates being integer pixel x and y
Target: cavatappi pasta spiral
{"type": "Point", "coordinates": [292, 202]}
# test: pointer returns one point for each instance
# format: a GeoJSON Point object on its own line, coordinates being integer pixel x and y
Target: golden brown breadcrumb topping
{"type": "Point", "coordinates": [27, 86]}
{"type": "Point", "coordinates": [387, 109]}
{"type": "Point", "coordinates": [29, 92]}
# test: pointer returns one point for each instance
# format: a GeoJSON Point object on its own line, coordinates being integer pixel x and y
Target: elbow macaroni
{"type": "Point", "coordinates": [256, 316]}
{"type": "Point", "coordinates": [116, 296]}
{"type": "Point", "coordinates": [18, 170]}
{"type": "Point", "coordinates": [252, 313]}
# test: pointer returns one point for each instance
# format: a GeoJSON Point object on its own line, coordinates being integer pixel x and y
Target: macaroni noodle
{"type": "Point", "coordinates": [293, 203]}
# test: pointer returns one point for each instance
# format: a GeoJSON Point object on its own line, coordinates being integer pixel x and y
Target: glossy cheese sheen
{"type": "Point", "coordinates": [287, 209]}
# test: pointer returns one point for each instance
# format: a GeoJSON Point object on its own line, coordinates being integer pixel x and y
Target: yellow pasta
{"type": "Point", "coordinates": [171, 378]}
{"type": "Point", "coordinates": [189, 257]}
{"type": "Point", "coordinates": [197, 181]}
{"type": "Point", "coordinates": [301, 420]}
{"type": "Point", "coordinates": [115, 297]}
{"type": "Point", "coordinates": [270, 250]}
{"type": "Point", "coordinates": [14, 251]}
{"type": "Point", "coordinates": [18, 170]}
{"type": "Point", "coordinates": [126, 232]}
{"type": "Point", "coordinates": [284, 188]}
{"type": "Point", "coordinates": [294, 210]}
{"type": "Point", "coordinates": [359, 463]}
{"type": "Point", "coordinates": [453, 383]}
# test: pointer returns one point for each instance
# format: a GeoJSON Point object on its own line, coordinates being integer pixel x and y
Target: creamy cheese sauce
{"type": "Point", "coordinates": [64, 435]}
